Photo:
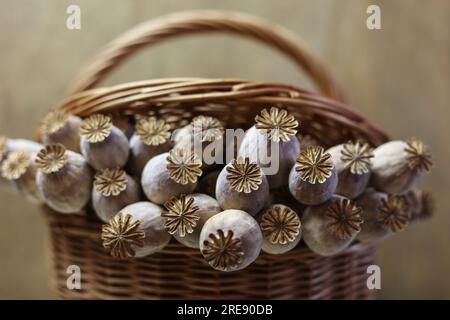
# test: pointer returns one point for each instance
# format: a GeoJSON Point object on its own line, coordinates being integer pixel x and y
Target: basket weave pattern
{"type": "Point", "coordinates": [179, 272]}
{"type": "Point", "coordinates": [182, 273]}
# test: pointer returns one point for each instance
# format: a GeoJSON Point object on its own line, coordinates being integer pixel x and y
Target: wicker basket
{"type": "Point", "coordinates": [179, 272]}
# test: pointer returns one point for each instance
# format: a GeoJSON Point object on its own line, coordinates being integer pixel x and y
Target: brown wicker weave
{"type": "Point", "coordinates": [179, 272]}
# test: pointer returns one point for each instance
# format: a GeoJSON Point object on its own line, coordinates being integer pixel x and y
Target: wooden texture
{"type": "Point", "coordinates": [398, 77]}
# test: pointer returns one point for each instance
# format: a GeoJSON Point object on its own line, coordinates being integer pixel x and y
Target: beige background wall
{"type": "Point", "coordinates": [398, 77]}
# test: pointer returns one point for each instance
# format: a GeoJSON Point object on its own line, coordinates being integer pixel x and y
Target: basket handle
{"type": "Point", "coordinates": [194, 22]}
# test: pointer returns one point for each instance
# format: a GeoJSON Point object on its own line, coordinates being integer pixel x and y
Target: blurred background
{"type": "Point", "coordinates": [399, 77]}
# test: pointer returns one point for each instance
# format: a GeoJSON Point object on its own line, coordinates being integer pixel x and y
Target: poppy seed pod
{"type": "Point", "coordinates": [151, 137]}
{"type": "Point", "coordinates": [19, 168]}
{"type": "Point", "coordinates": [185, 216]}
{"type": "Point", "coordinates": [383, 215]}
{"type": "Point", "coordinates": [180, 135]}
{"type": "Point", "coordinates": [136, 231]}
{"type": "Point", "coordinates": [230, 240]}
{"type": "Point", "coordinates": [103, 145]}
{"type": "Point", "coordinates": [242, 185]}
{"type": "Point", "coordinates": [171, 174]}
{"type": "Point", "coordinates": [397, 166]}
{"type": "Point", "coordinates": [352, 162]}
{"type": "Point", "coordinates": [272, 144]}
{"type": "Point", "coordinates": [113, 190]}
{"type": "Point", "coordinates": [313, 179]}
{"type": "Point", "coordinates": [8, 146]}
{"type": "Point", "coordinates": [11, 145]}
{"type": "Point", "coordinates": [3, 154]}
{"type": "Point", "coordinates": [281, 229]}
{"type": "Point", "coordinates": [3, 148]}
{"type": "Point", "coordinates": [64, 178]}
{"type": "Point", "coordinates": [332, 226]}
{"type": "Point", "coordinates": [204, 135]}
{"type": "Point", "coordinates": [60, 127]}
{"type": "Point", "coordinates": [420, 204]}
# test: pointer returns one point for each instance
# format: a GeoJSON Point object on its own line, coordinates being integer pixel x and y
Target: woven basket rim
{"type": "Point", "coordinates": [156, 93]}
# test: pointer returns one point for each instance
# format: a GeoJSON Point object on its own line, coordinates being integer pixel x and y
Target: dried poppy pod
{"type": "Point", "coordinates": [352, 162]}
{"type": "Point", "coordinates": [420, 204]}
{"type": "Point", "coordinates": [136, 231]}
{"type": "Point", "coordinates": [182, 134]}
{"type": "Point", "coordinates": [60, 127]}
{"type": "Point", "coordinates": [313, 179]}
{"type": "Point", "coordinates": [397, 166]}
{"type": "Point", "coordinates": [3, 147]}
{"type": "Point", "coordinates": [204, 135]}
{"type": "Point", "coordinates": [8, 146]}
{"type": "Point", "coordinates": [207, 183]}
{"type": "Point", "coordinates": [332, 226]}
{"type": "Point", "coordinates": [171, 174]}
{"type": "Point", "coordinates": [102, 144]}
{"type": "Point", "coordinates": [272, 144]}
{"type": "Point", "coordinates": [383, 215]}
{"type": "Point", "coordinates": [281, 229]}
{"type": "Point", "coordinates": [3, 154]}
{"type": "Point", "coordinates": [19, 168]}
{"type": "Point", "coordinates": [231, 240]}
{"type": "Point", "coordinates": [64, 178]}
{"type": "Point", "coordinates": [151, 137]}
{"type": "Point", "coordinates": [11, 145]}
{"type": "Point", "coordinates": [113, 190]}
{"type": "Point", "coordinates": [185, 216]}
{"type": "Point", "coordinates": [242, 185]}
{"type": "Point", "coordinates": [205, 128]}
